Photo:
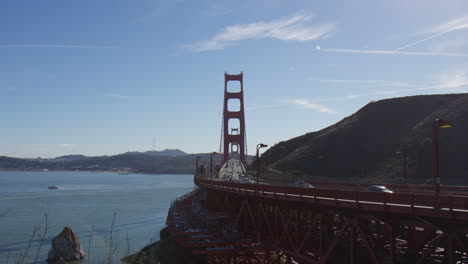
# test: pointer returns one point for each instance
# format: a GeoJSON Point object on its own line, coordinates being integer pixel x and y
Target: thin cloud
{"type": "Point", "coordinates": [441, 29]}
{"type": "Point", "coordinates": [252, 108]}
{"type": "Point", "coordinates": [318, 108]}
{"type": "Point", "coordinates": [409, 90]}
{"type": "Point", "coordinates": [448, 87]}
{"type": "Point", "coordinates": [455, 80]}
{"type": "Point", "coordinates": [452, 25]}
{"type": "Point", "coordinates": [67, 145]}
{"type": "Point", "coordinates": [437, 30]}
{"type": "Point", "coordinates": [448, 82]}
{"type": "Point", "coordinates": [56, 46]}
{"type": "Point", "coordinates": [293, 28]}
{"type": "Point", "coordinates": [374, 82]}
{"type": "Point", "coordinates": [445, 88]}
{"type": "Point", "coordinates": [390, 52]}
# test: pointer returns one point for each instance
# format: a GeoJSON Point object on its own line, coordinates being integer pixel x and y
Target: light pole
{"type": "Point", "coordinates": [196, 166]}
{"type": "Point", "coordinates": [324, 158]}
{"type": "Point", "coordinates": [402, 152]}
{"type": "Point", "coordinates": [259, 146]}
{"type": "Point", "coordinates": [211, 164]}
{"type": "Point", "coordinates": [435, 126]}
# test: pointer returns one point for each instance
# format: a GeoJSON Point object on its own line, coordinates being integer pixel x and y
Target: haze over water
{"type": "Point", "coordinates": [84, 200]}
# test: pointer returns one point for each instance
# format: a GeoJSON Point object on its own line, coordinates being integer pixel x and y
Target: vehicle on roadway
{"type": "Point", "coordinates": [379, 188]}
{"type": "Point", "coordinates": [302, 184]}
{"type": "Point", "coordinates": [245, 180]}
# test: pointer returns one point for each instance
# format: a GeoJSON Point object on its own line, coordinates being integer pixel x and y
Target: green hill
{"type": "Point", "coordinates": [361, 147]}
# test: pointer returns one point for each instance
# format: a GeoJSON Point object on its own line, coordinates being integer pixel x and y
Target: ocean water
{"type": "Point", "coordinates": [85, 201]}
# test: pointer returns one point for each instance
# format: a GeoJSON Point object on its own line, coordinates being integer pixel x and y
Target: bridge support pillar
{"type": "Point", "coordinates": [234, 117]}
{"type": "Point", "coordinates": [450, 248]}
{"type": "Point", "coordinates": [323, 237]}
{"type": "Point", "coordinates": [352, 246]}
{"type": "Point", "coordinates": [392, 232]}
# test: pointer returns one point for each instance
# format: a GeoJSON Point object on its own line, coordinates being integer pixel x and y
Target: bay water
{"type": "Point", "coordinates": [85, 201]}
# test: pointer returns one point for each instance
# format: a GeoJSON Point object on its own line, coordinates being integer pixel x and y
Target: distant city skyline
{"type": "Point", "coordinates": [106, 77]}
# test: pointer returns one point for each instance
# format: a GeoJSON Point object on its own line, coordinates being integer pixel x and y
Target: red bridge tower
{"type": "Point", "coordinates": [233, 120]}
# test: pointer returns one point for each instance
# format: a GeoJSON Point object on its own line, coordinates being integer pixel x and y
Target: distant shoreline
{"type": "Point", "coordinates": [116, 172]}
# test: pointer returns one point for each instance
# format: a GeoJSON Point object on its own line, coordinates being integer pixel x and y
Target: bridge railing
{"type": "Point", "coordinates": [345, 185]}
{"type": "Point", "coordinates": [403, 199]}
{"type": "Point", "coordinates": [421, 188]}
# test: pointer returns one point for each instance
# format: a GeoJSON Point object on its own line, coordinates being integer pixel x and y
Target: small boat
{"type": "Point", "coordinates": [53, 187]}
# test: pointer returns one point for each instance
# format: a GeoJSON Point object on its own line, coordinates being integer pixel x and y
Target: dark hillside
{"type": "Point", "coordinates": [362, 145]}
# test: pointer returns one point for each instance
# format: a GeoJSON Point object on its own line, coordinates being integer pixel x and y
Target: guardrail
{"type": "Point", "coordinates": [421, 188]}
{"type": "Point", "coordinates": [452, 206]}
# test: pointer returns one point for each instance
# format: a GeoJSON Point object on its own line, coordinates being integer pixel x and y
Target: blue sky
{"type": "Point", "coordinates": [101, 77]}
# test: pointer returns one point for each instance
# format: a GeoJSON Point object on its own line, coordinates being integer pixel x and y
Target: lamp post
{"type": "Point", "coordinates": [435, 126]}
{"type": "Point", "coordinates": [324, 158]}
{"type": "Point", "coordinates": [211, 164]}
{"type": "Point", "coordinates": [402, 152]}
{"type": "Point", "coordinates": [196, 165]}
{"type": "Point", "coordinates": [259, 146]}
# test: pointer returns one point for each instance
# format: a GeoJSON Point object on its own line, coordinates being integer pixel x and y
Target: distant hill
{"type": "Point", "coordinates": [361, 147]}
{"type": "Point", "coordinates": [166, 152]}
{"type": "Point", "coordinates": [70, 157]}
{"type": "Point", "coordinates": [167, 162]}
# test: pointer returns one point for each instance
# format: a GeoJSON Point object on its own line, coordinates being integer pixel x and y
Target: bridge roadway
{"type": "Point", "coordinates": [420, 204]}
{"type": "Point", "coordinates": [332, 223]}
{"type": "Point", "coordinates": [400, 188]}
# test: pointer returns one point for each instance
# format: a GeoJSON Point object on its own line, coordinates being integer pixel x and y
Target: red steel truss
{"type": "Point", "coordinates": [248, 223]}
{"type": "Point", "coordinates": [234, 140]}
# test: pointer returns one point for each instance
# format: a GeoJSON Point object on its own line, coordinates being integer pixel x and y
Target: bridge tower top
{"type": "Point", "coordinates": [234, 141]}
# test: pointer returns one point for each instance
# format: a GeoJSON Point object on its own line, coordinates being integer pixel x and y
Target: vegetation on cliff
{"type": "Point", "coordinates": [362, 146]}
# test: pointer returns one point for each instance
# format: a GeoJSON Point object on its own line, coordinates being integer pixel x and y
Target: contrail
{"type": "Point", "coordinates": [453, 25]}
{"type": "Point", "coordinates": [56, 46]}
{"type": "Point", "coordinates": [390, 52]}
{"type": "Point", "coordinates": [422, 40]}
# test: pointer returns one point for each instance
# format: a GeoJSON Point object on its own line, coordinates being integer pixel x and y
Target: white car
{"type": "Point", "coordinates": [245, 180]}
{"type": "Point", "coordinates": [379, 188]}
{"type": "Point", "coordinates": [302, 184]}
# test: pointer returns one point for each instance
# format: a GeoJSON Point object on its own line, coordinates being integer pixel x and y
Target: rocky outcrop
{"type": "Point", "coordinates": [165, 251]}
{"type": "Point", "coordinates": [65, 247]}
{"type": "Point", "coordinates": [58, 261]}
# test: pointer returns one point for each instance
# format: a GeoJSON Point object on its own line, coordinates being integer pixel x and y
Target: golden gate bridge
{"type": "Point", "coordinates": [230, 220]}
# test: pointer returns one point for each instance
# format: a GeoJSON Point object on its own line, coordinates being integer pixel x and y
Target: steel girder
{"type": "Point", "coordinates": [307, 233]}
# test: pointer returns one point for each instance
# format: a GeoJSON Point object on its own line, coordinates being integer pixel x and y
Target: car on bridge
{"type": "Point", "coordinates": [379, 188]}
{"type": "Point", "coordinates": [302, 184]}
{"type": "Point", "coordinates": [246, 180]}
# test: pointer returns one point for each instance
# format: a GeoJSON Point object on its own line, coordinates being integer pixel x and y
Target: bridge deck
{"type": "Point", "coordinates": [445, 206]}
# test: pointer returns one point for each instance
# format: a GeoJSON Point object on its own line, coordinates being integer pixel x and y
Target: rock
{"type": "Point", "coordinates": [166, 251]}
{"type": "Point", "coordinates": [58, 261]}
{"type": "Point", "coordinates": [65, 246]}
